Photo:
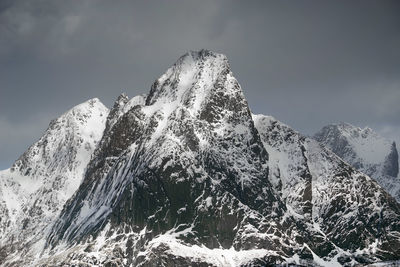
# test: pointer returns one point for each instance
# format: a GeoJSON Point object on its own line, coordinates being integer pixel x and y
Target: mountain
{"type": "Point", "coordinates": [187, 176]}
{"type": "Point", "coordinates": [366, 151]}
{"type": "Point", "coordinates": [348, 216]}
{"type": "Point", "coordinates": [34, 189]}
{"type": "Point", "coordinates": [191, 166]}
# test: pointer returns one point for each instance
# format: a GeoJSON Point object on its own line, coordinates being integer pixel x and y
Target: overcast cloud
{"type": "Point", "coordinates": [307, 63]}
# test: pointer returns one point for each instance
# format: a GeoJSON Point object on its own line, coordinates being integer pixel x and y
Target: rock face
{"type": "Point", "coordinates": [187, 176]}
{"type": "Point", "coordinates": [34, 189]}
{"type": "Point", "coordinates": [366, 151]}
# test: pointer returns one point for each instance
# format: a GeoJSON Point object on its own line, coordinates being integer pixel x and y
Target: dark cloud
{"type": "Point", "coordinates": [308, 63]}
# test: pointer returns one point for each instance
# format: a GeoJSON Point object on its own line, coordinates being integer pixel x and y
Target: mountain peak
{"type": "Point", "coordinates": [202, 55]}
{"type": "Point", "coordinates": [81, 121]}
{"type": "Point", "coordinates": [191, 78]}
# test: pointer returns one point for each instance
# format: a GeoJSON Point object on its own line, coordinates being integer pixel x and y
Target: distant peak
{"type": "Point", "coordinates": [340, 125]}
{"type": "Point", "coordinates": [346, 127]}
{"type": "Point", "coordinates": [364, 132]}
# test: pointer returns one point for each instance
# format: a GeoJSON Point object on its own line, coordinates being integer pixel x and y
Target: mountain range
{"type": "Point", "coordinates": [186, 175]}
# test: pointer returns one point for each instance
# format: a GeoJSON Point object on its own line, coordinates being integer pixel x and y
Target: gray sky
{"type": "Point", "coordinates": [307, 63]}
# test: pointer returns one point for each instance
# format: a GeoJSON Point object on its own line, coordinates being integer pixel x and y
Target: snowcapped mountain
{"type": "Point", "coordinates": [188, 176]}
{"type": "Point", "coordinates": [34, 189]}
{"type": "Point", "coordinates": [191, 167]}
{"type": "Point", "coordinates": [366, 151]}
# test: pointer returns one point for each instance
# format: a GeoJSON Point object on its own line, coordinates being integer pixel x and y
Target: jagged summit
{"type": "Point", "coordinates": [201, 56]}
{"type": "Point", "coordinates": [191, 79]}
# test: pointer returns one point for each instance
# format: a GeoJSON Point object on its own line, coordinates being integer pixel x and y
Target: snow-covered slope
{"type": "Point", "coordinates": [366, 151]}
{"type": "Point", "coordinates": [34, 189]}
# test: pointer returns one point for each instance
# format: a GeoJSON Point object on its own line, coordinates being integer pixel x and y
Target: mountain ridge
{"type": "Point", "coordinates": [187, 175]}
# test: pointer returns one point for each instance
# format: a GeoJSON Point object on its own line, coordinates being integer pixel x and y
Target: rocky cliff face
{"type": "Point", "coordinates": [186, 175]}
{"type": "Point", "coordinates": [366, 151]}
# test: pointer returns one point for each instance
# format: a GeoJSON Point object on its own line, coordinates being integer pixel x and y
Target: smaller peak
{"type": "Point", "coordinates": [86, 106]}
{"type": "Point", "coordinates": [94, 102]}
{"type": "Point", "coordinates": [82, 112]}
{"type": "Point", "coordinates": [91, 101]}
